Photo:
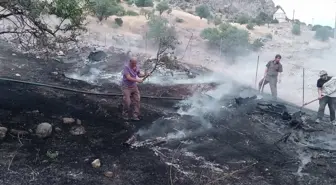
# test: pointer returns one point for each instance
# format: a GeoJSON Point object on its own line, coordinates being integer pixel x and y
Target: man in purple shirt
{"type": "Point", "coordinates": [131, 76]}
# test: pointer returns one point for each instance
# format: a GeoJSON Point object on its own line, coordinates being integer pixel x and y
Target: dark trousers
{"type": "Point", "coordinates": [323, 102]}
{"type": "Point", "coordinates": [272, 80]}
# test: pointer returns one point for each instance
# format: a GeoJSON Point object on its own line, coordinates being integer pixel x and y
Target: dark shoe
{"type": "Point", "coordinates": [135, 118]}
{"type": "Point", "coordinates": [125, 118]}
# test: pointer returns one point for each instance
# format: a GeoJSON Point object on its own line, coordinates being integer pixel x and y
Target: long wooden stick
{"type": "Point", "coordinates": [256, 76]}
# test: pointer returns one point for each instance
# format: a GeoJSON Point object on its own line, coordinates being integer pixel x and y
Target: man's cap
{"type": "Point", "coordinates": [323, 72]}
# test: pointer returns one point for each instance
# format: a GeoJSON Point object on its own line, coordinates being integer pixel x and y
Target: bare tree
{"type": "Point", "coordinates": [29, 21]}
{"type": "Point", "coordinates": [165, 53]}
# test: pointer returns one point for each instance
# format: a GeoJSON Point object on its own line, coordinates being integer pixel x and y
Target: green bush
{"type": "Point", "coordinates": [316, 27]}
{"type": "Point", "coordinates": [131, 13]}
{"type": "Point", "coordinates": [275, 21]}
{"type": "Point", "coordinates": [230, 39]}
{"type": "Point", "coordinates": [250, 26]}
{"type": "Point", "coordinates": [118, 21]}
{"type": "Point", "coordinates": [217, 21]}
{"type": "Point", "coordinates": [269, 36]}
{"type": "Point", "coordinates": [322, 34]}
{"type": "Point", "coordinates": [202, 11]}
{"type": "Point", "coordinates": [179, 20]}
{"type": "Point", "coordinates": [129, 2]}
{"type": "Point", "coordinates": [144, 3]}
{"type": "Point", "coordinates": [257, 44]}
{"type": "Point", "coordinates": [102, 9]}
{"type": "Point", "coordinates": [296, 29]}
{"type": "Point", "coordinates": [243, 19]}
{"type": "Point", "coordinates": [162, 6]}
{"type": "Point", "coordinates": [159, 29]}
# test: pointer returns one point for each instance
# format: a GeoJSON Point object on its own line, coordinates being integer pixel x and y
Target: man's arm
{"type": "Point", "coordinates": [128, 77]}
{"type": "Point", "coordinates": [319, 89]}
{"type": "Point", "coordinates": [280, 73]}
{"type": "Point", "coordinates": [266, 70]}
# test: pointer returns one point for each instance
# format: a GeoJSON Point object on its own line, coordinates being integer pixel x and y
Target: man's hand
{"type": "Point", "coordinates": [320, 97]}
{"type": "Point", "coordinates": [147, 74]}
{"type": "Point", "coordinates": [140, 80]}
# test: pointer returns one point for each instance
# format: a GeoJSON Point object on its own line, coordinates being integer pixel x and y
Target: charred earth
{"type": "Point", "coordinates": [218, 138]}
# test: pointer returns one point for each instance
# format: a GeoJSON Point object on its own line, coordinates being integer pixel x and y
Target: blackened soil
{"type": "Point", "coordinates": [25, 159]}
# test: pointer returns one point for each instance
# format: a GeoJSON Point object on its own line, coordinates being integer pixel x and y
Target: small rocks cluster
{"type": "Point", "coordinates": [44, 130]}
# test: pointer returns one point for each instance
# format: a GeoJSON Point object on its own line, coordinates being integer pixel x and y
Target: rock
{"type": "Point", "coordinates": [68, 120]}
{"type": "Point", "coordinates": [60, 53]}
{"type": "Point", "coordinates": [97, 55]}
{"type": "Point", "coordinates": [57, 129]}
{"type": "Point", "coordinates": [3, 131]}
{"type": "Point", "coordinates": [43, 130]}
{"type": "Point", "coordinates": [108, 174]}
{"type": "Point", "coordinates": [78, 122]}
{"type": "Point", "coordinates": [96, 163]}
{"type": "Point", "coordinates": [17, 74]}
{"type": "Point", "coordinates": [54, 73]}
{"type": "Point", "coordinates": [77, 130]}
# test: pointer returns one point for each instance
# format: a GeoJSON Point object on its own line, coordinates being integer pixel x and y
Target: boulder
{"type": "Point", "coordinates": [44, 130]}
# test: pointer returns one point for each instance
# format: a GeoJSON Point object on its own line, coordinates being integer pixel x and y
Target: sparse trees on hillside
{"type": "Point", "coordinates": [203, 11]}
{"type": "Point", "coordinates": [32, 31]}
{"type": "Point", "coordinates": [105, 8]}
{"type": "Point", "coordinates": [144, 3]}
{"type": "Point", "coordinates": [162, 6]}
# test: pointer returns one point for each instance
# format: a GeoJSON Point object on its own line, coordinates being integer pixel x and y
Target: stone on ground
{"type": "Point", "coordinates": [43, 130]}
{"type": "Point", "coordinates": [3, 131]}
{"type": "Point", "coordinates": [68, 120]}
{"type": "Point", "coordinates": [77, 130]}
{"type": "Point", "coordinates": [96, 163]}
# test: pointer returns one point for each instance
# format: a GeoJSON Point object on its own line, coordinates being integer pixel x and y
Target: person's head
{"type": "Point", "coordinates": [277, 58]}
{"type": "Point", "coordinates": [323, 74]}
{"type": "Point", "coordinates": [133, 62]}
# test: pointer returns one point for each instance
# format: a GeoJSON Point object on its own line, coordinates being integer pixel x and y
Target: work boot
{"type": "Point", "coordinates": [333, 122]}
{"type": "Point", "coordinates": [317, 120]}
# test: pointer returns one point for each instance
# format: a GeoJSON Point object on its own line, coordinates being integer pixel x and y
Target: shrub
{"type": "Point", "coordinates": [316, 27]}
{"type": "Point", "coordinates": [202, 11]}
{"type": "Point", "coordinates": [322, 34]}
{"type": "Point", "coordinates": [179, 20]}
{"type": "Point", "coordinates": [217, 21]}
{"type": "Point", "coordinates": [243, 19]}
{"type": "Point", "coordinates": [162, 6]}
{"type": "Point", "coordinates": [131, 13]}
{"type": "Point", "coordinates": [275, 21]}
{"type": "Point", "coordinates": [231, 40]}
{"type": "Point", "coordinates": [250, 26]}
{"type": "Point", "coordinates": [257, 44]}
{"type": "Point", "coordinates": [129, 2]}
{"type": "Point", "coordinates": [102, 9]}
{"type": "Point", "coordinates": [296, 30]}
{"type": "Point", "coordinates": [269, 36]}
{"type": "Point", "coordinates": [118, 21]}
{"type": "Point", "coordinates": [144, 3]}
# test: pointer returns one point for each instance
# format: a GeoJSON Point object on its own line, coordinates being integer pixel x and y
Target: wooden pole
{"type": "Point", "coordinates": [256, 76]}
{"type": "Point", "coordinates": [303, 86]}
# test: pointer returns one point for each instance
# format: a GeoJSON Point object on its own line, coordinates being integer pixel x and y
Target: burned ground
{"type": "Point", "coordinates": [201, 140]}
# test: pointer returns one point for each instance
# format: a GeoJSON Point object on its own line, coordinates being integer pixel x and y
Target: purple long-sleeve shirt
{"type": "Point", "coordinates": [133, 73]}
